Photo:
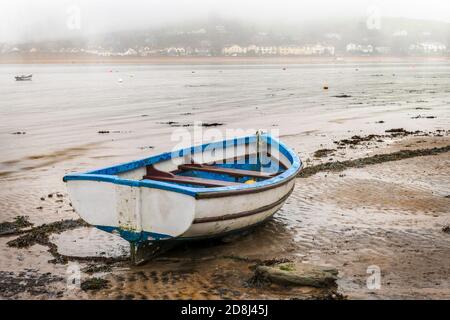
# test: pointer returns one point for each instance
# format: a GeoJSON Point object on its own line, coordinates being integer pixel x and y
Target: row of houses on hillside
{"type": "Point", "coordinates": [317, 49]}
{"type": "Point", "coordinates": [147, 51]}
{"type": "Point", "coordinates": [427, 48]}
{"type": "Point", "coordinates": [420, 48]}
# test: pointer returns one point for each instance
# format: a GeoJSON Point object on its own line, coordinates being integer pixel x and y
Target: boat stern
{"type": "Point", "coordinates": [135, 213]}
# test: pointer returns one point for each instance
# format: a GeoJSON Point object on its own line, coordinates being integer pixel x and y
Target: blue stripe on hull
{"type": "Point", "coordinates": [132, 236]}
{"type": "Point", "coordinates": [109, 174]}
{"type": "Point", "coordinates": [145, 236]}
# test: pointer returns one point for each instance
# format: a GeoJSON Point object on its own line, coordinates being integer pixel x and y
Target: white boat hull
{"type": "Point", "coordinates": [122, 200]}
{"type": "Point", "coordinates": [162, 213]}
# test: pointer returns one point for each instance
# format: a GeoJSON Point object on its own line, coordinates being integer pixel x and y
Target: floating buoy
{"type": "Point", "coordinates": [120, 80]}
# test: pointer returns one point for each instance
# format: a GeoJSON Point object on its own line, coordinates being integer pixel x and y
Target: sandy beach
{"type": "Point", "coordinates": [374, 192]}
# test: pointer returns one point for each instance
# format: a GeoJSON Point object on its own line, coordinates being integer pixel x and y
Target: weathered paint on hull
{"type": "Point", "coordinates": [129, 209]}
{"type": "Point", "coordinates": [118, 200]}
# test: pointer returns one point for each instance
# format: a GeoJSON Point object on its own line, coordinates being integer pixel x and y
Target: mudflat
{"type": "Point", "coordinates": [374, 191]}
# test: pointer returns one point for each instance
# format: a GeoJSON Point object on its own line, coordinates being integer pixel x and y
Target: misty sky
{"type": "Point", "coordinates": [24, 20]}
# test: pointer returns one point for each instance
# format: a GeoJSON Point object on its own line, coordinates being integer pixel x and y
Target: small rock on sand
{"type": "Point", "coordinates": [94, 284]}
{"type": "Point", "coordinates": [298, 274]}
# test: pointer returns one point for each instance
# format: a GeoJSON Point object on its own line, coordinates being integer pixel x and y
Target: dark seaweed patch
{"type": "Point", "coordinates": [446, 229]}
{"type": "Point", "coordinates": [342, 96]}
{"type": "Point", "coordinates": [423, 117]}
{"type": "Point", "coordinates": [338, 166]}
{"type": "Point", "coordinates": [93, 268]}
{"type": "Point", "coordinates": [40, 234]}
{"type": "Point", "coordinates": [212, 124]}
{"type": "Point", "coordinates": [357, 139]}
{"type": "Point", "coordinates": [14, 227]}
{"type": "Point", "coordinates": [29, 281]}
{"type": "Point", "coordinates": [323, 152]}
{"type": "Point", "coordinates": [94, 284]}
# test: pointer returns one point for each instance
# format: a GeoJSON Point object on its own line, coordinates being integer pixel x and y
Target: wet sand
{"type": "Point", "coordinates": [389, 214]}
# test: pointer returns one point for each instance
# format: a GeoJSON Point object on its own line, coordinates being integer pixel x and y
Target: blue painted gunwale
{"type": "Point", "coordinates": [109, 174]}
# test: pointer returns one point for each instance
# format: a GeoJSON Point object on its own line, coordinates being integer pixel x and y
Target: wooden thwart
{"type": "Point", "coordinates": [229, 171]}
{"type": "Point", "coordinates": [154, 174]}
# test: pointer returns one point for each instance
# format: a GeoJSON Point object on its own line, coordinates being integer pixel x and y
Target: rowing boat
{"type": "Point", "coordinates": [206, 191]}
{"type": "Point", "coordinates": [24, 77]}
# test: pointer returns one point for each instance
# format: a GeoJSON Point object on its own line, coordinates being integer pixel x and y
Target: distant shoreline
{"type": "Point", "coordinates": [186, 60]}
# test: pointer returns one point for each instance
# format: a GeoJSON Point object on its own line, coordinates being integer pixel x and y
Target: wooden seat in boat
{"type": "Point", "coordinates": [154, 174]}
{"type": "Point", "coordinates": [228, 171]}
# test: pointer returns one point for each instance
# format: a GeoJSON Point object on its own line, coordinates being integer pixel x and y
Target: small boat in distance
{"type": "Point", "coordinates": [24, 77]}
{"type": "Point", "coordinates": [206, 191]}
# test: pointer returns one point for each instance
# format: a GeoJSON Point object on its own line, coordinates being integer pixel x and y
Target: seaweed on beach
{"type": "Point", "coordinates": [395, 132]}
{"type": "Point", "coordinates": [355, 140]}
{"type": "Point", "coordinates": [41, 235]}
{"type": "Point", "coordinates": [337, 166]}
{"type": "Point", "coordinates": [12, 284]}
{"type": "Point", "coordinates": [446, 229]}
{"type": "Point", "coordinates": [342, 96]}
{"type": "Point", "coordinates": [212, 124]}
{"type": "Point", "coordinates": [391, 133]}
{"type": "Point", "coordinates": [14, 227]}
{"type": "Point", "coordinates": [97, 268]}
{"type": "Point", "coordinates": [204, 124]}
{"type": "Point", "coordinates": [94, 284]}
{"type": "Point", "coordinates": [423, 117]}
{"type": "Point", "coordinates": [323, 152]}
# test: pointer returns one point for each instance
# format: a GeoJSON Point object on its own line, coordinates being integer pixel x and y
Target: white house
{"type": "Point", "coordinates": [307, 50]}
{"type": "Point", "coordinates": [234, 50]}
{"type": "Point", "coordinates": [252, 49]}
{"type": "Point", "coordinates": [290, 50]}
{"type": "Point", "coordinates": [428, 48]}
{"type": "Point", "coordinates": [319, 49]}
{"type": "Point", "coordinates": [175, 51]}
{"type": "Point", "coordinates": [268, 50]}
{"type": "Point", "coordinates": [130, 52]}
{"type": "Point", "coordinates": [359, 48]}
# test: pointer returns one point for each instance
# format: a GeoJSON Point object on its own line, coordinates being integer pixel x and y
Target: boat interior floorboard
{"type": "Point", "coordinates": [228, 171]}
{"type": "Point", "coordinates": [154, 174]}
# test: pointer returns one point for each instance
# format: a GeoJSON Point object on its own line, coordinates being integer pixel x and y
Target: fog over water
{"type": "Point", "coordinates": [28, 20]}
